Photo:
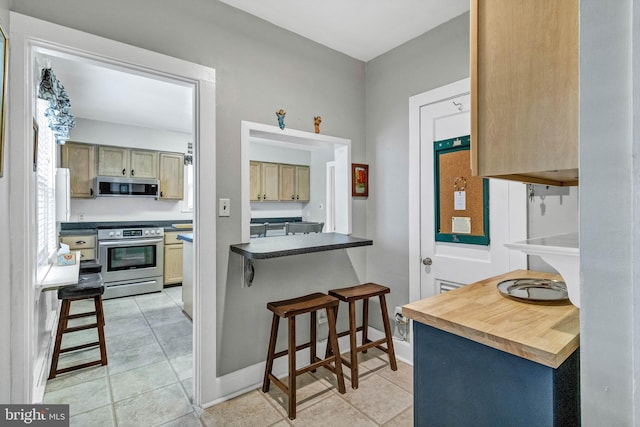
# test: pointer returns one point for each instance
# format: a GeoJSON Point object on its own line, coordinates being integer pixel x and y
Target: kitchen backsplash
{"type": "Point", "coordinates": [118, 209]}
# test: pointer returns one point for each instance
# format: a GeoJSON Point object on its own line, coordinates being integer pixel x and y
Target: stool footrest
{"type": "Point", "coordinates": [79, 315]}
{"type": "Point", "coordinates": [347, 332]}
{"type": "Point", "coordinates": [81, 328]}
{"type": "Point", "coordinates": [80, 347]}
{"type": "Point", "coordinates": [370, 344]}
{"type": "Point", "coordinates": [279, 383]}
{"type": "Point", "coordinates": [285, 352]}
{"type": "Point", "coordinates": [315, 365]}
{"type": "Point", "coordinates": [84, 365]}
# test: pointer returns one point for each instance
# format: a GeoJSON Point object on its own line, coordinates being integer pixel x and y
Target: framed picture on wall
{"type": "Point", "coordinates": [359, 180]}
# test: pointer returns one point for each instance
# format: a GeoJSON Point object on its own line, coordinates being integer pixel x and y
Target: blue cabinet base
{"type": "Point", "coordinates": [459, 382]}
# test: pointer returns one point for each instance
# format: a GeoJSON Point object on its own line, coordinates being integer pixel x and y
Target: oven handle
{"type": "Point", "coordinates": [129, 242]}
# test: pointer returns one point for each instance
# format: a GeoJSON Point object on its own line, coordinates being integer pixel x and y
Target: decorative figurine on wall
{"type": "Point", "coordinates": [316, 121]}
{"type": "Point", "coordinates": [280, 114]}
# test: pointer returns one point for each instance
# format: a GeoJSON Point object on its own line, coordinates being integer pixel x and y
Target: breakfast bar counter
{"type": "Point", "coordinates": [296, 244]}
{"type": "Point", "coordinates": [483, 359]}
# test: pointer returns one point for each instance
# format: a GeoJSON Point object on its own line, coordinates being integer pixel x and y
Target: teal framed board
{"type": "Point", "coordinates": [461, 201]}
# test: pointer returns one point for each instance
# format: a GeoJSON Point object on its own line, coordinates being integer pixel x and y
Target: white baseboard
{"type": "Point", "coordinates": [250, 378]}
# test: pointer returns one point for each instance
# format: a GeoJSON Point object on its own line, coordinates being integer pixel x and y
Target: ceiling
{"type": "Point", "coordinates": [106, 94]}
{"type": "Point", "coordinates": [362, 29]}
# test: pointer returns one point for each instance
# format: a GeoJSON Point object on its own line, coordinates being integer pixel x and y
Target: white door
{"type": "Point", "coordinates": [446, 265]}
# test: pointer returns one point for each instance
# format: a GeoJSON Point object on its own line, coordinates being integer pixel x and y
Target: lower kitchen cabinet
{"type": "Point", "coordinates": [86, 244]}
{"type": "Point", "coordinates": [459, 382]}
{"type": "Point", "coordinates": [172, 258]}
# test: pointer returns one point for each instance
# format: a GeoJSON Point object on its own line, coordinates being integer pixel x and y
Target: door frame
{"type": "Point", "coordinates": [516, 212]}
{"type": "Point", "coordinates": [416, 102]}
{"type": "Point", "coordinates": [29, 35]}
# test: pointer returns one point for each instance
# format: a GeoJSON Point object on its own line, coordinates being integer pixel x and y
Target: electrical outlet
{"type": "Point", "coordinates": [224, 205]}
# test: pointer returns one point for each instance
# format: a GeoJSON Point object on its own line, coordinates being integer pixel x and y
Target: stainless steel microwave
{"type": "Point", "coordinates": [109, 186]}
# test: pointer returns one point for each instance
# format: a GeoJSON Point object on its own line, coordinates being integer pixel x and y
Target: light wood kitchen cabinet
{"type": "Point", "coordinates": [294, 183]}
{"type": "Point", "coordinates": [173, 249]}
{"type": "Point", "coordinates": [524, 90]}
{"type": "Point", "coordinates": [125, 162]}
{"type": "Point", "coordinates": [264, 178]}
{"type": "Point", "coordinates": [80, 159]}
{"type": "Point", "coordinates": [86, 244]}
{"type": "Point", "coordinates": [113, 161]}
{"type": "Point", "coordinates": [144, 164]}
{"type": "Point", "coordinates": [171, 176]}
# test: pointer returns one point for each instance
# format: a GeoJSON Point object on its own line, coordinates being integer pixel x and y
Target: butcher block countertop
{"type": "Point", "coordinates": [546, 334]}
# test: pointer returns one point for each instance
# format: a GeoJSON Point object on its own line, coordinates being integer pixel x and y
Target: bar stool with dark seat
{"type": "Point", "coordinates": [289, 309]}
{"type": "Point", "coordinates": [88, 286]}
{"type": "Point", "coordinates": [364, 292]}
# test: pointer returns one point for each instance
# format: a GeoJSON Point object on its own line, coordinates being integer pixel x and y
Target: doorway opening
{"type": "Point", "coordinates": [34, 42]}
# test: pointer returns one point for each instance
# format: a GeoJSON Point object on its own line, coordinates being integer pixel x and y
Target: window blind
{"type": "Point", "coordinates": [188, 188]}
{"type": "Point", "coordinates": [45, 188]}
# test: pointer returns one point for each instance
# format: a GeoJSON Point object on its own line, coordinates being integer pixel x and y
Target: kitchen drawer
{"type": "Point", "coordinates": [171, 238]}
{"type": "Point", "coordinates": [87, 254]}
{"type": "Point", "coordinates": [79, 242]}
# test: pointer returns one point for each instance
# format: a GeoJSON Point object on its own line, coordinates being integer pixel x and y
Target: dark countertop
{"type": "Point", "coordinates": [276, 220]}
{"type": "Point", "coordinates": [75, 228]}
{"type": "Point", "coordinates": [187, 237]}
{"type": "Point", "coordinates": [279, 246]}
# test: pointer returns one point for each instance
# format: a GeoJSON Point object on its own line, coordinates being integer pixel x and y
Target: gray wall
{"type": "Point", "coordinates": [259, 69]}
{"type": "Point", "coordinates": [5, 270]}
{"type": "Point", "coordinates": [609, 212]}
{"type": "Point", "coordinates": [434, 59]}
{"type": "Point", "coordinates": [552, 210]}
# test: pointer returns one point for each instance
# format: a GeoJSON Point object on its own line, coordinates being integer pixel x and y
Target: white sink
{"type": "Point", "coordinates": [562, 252]}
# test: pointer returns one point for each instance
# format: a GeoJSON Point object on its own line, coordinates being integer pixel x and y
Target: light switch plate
{"type": "Point", "coordinates": [224, 205]}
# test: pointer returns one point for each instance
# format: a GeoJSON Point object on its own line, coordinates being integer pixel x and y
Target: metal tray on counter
{"type": "Point", "coordinates": [534, 290]}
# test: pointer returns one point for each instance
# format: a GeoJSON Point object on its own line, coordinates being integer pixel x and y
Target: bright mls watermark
{"type": "Point", "coordinates": [34, 415]}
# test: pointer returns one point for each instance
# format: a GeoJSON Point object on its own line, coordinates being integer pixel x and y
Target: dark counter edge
{"type": "Point", "coordinates": [352, 243]}
{"type": "Point", "coordinates": [71, 228]}
{"type": "Point", "coordinates": [185, 237]}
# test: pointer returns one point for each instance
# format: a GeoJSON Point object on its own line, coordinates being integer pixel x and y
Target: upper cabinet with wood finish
{"type": "Point", "coordinates": [125, 162]}
{"type": "Point", "coordinates": [171, 176]}
{"type": "Point", "coordinates": [294, 183]}
{"type": "Point", "coordinates": [264, 181]}
{"type": "Point", "coordinates": [524, 90]}
{"type": "Point", "coordinates": [81, 161]}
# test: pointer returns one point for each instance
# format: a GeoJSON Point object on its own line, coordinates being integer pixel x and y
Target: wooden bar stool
{"type": "Point", "coordinates": [289, 309]}
{"type": "Point", "coordinates": [89, 286]}
{"type": "Point", "coordinates": [364, 292]}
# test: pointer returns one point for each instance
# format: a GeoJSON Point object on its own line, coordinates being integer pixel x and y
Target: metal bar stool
{"type": "Point", "coordinates": [289, 309]}
{"type": "Point", "coordinates": [364, 292]}
{"type": "Point", "coordinates": [89, 286]}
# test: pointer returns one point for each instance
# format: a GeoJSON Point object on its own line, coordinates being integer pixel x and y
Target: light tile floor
{"type": "Point", "coordinates": [148, 380]}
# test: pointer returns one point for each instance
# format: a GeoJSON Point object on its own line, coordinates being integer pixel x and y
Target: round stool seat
{"type": "Point", "coordinates": [89, 285]}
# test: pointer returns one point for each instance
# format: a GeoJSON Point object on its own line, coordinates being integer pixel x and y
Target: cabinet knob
{"type": "Point", "coordinates": [161, 194]}
{"type": "Point", "coordinates": [297, 196]}
{"type": "Point", "coordinates": [132, 174]}
{"type": "Point", "coordinates": [91, 191]}
{"type": "Point", "coordinates": [293, 197]}
{"type": "Point", "coordinates": [427, 261]}
{"type": "Point", "coordinates": [259, 197]}
{"type": "Point", "coordinates": [264, 197]}
{"type": "Point", "coordinates": [124, 171]}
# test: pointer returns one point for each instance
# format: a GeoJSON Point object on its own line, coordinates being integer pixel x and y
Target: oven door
{"type": "Point", "coordinates": [124, 260]}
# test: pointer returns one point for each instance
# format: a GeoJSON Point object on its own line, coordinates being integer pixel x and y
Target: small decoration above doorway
{"type": "Point", "coordinates": [280, 114]}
